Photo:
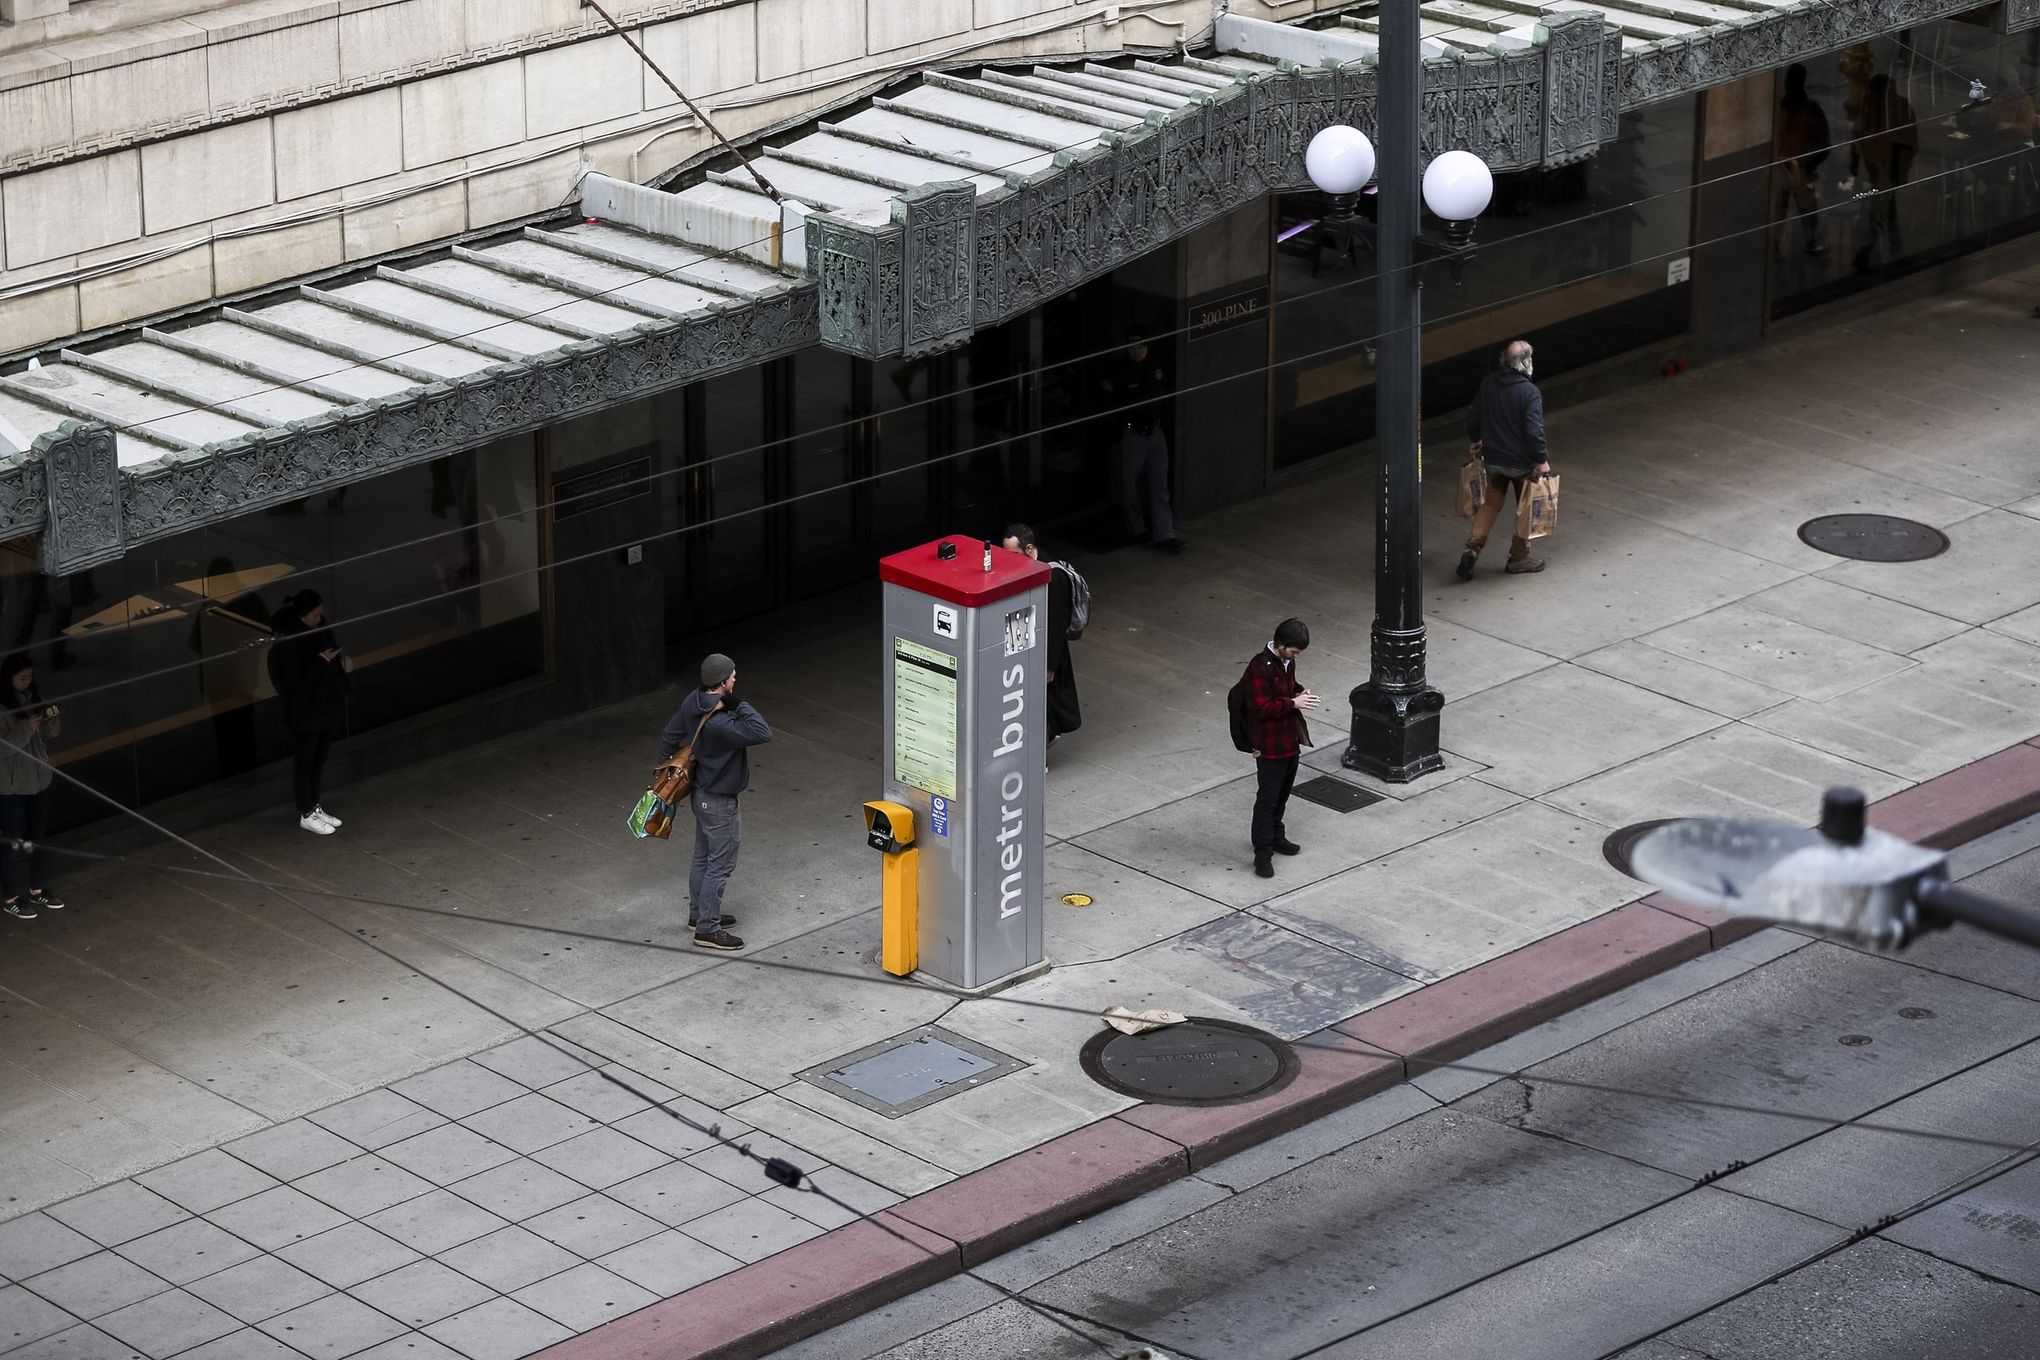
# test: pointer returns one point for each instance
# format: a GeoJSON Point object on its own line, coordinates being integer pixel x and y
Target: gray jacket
{"type": "Point", "coordinates": [722, 757]}
{"type": "Point", "coordinates": [24, 753]}
{"type": "Point", "coordinates": [1507, 421]}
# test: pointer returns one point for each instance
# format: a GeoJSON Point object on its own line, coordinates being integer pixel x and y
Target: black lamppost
{"type": "Point", "coordinates": [1395, 713]}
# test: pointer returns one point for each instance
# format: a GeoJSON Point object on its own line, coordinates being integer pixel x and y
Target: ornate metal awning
{"type": "Point", "coordinates": [952, 206]}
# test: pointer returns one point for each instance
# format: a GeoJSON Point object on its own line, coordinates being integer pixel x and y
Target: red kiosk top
{"type": "Point", "coordinates": [963, 579]}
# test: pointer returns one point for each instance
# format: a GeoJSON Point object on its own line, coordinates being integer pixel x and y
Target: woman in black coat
{"type": "Point", "coordinates": [1065, 714]}
{"type": "Point", "coordinates": [310, 672]}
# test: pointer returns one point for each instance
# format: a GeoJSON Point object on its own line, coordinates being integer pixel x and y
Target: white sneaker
{"type": "Point", "coordinates": [328, 818]}
{"type": "Point", "coordinates": [316, 824]}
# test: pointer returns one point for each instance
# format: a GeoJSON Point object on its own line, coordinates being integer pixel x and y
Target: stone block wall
{"type": "Point", "coordinates": [204, 148]}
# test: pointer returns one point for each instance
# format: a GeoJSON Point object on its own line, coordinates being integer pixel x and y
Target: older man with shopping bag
{"type": "Point", "coordinates": [1505, 429]}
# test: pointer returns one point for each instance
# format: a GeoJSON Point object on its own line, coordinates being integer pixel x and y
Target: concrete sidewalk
{"type": "Point", "coordinates": [1684, 654]}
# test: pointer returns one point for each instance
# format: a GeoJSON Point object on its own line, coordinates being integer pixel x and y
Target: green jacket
{"type": "Point", "coordinates": [25, 753]}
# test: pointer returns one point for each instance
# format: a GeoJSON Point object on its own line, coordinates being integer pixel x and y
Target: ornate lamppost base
{"type": "Point", "coordinates": [1395, 733]}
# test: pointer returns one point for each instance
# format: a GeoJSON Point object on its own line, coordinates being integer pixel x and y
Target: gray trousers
{"type": "Point", "coordinates": [1145, 457]}
{"type": "Point", "coordinates": [717, 829]}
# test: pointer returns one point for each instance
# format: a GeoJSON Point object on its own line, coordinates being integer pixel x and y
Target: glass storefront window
{"type": "Point", "coordinates": [158, 659]}
{"type": "Point", "coordinates": [1576, 259]}
{"type": "Point", "coordinates": [1915, 171]}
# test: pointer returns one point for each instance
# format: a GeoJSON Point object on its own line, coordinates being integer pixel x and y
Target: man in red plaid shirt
{"type": "Point", "coordinates": [1276, 703]}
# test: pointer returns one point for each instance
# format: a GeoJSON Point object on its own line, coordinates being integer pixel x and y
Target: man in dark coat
{"type": "Point", "coordinates": [1139, 385]}
{"type": "Point", "coordinates": [722, 729]}
{"type": "Point", "coordinates": [310, 672]}
{"type": "Point", "coordinates": [1276, 703]}
{"type": "Point", "coordinates": [1506, 428]}
{"type": "Point", "coordinates": [1065, 714]}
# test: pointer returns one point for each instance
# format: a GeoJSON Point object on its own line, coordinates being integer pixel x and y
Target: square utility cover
{"type": "Point", "coordinates": [908, 1071]}
{"type": "Point", "coordinates": [1336, 794]}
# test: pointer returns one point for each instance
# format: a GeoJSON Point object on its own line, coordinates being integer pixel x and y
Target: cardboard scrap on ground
{"type": "Point", "coordinates": [1140, 1022]}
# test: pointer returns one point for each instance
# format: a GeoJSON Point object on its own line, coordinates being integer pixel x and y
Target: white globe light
{"type": "Point", "coordinates": [1458, 186]}
{"type": "Point", "coordinates": [1340, 160]}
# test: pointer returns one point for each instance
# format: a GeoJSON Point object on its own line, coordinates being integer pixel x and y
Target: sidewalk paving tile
{"type": "Point", "coordinates": [292, 1149]}
{"type": "Point", "coordinates": [203, 1182]}
{"type": "Point", "coordinates": [82, 1342]}
{"type": "Point", "coordinates": [517, 1190]}
{"type": "Point", "coordinates": [533, 1061]}
{"type": "Point", "coordinates": [593, 1225]}
{"type": "Point", "coordinates": [598, 1095]}
{"type": "Point", "coordinates": [508, 1259]}
{"type": "Point", "coordinates": [834, 1198]}
{"type": "Point", "coordinates": [586, 1296]}
{"type": "Point", "coordinates": [376, 1119]}
{"type": "Point", "coordinates": [669, 1263]}
{"type": "Point", "coordinates": [333, 1327]}
{"type": "Point", "coordinates": [246, 1344]}
{"type": "Point", "coordinates": [35, 1242]}
{"type": "Point", "coordinates": [501, 1329]}
{"type": "Point", "coordinates": [530, 1123]}
{"type": "Point", "coordinates": [458, 1089]}
{"type": "Point", "coordinates": [1646, 667]}
{"type": "Point", "coordinates": [258, 1290]}
{"type": "Point", "coordinates": [680, 1128]}
{"type": "Point", "coordinates": [362, 1186]}
{"type": "Point", "coordinates": [1531, 734]}
{"type": "Point", "coordinates": [24, 1317]}
{"type": "Point", "coordinates": [117, 1213]}
{"type": "Point", "coordinates": [422, 1293]}
{"type": "Point", "coordinates": [447, 1154]}
{"type": "Point", "coordinates": [435, 1221]}
{"type": "Point", "coordinates": [98, 1284]}
{"type": "Point", "coordinates": [601, 1158]}
{"type": "Point", "coordinates": [747, 1172]}
{"type": "Point", "coordinates": [751, 1229]}
{"type": "Point", "coordinates": [857, 1152]}
{"type": "Point", "coordinates": [676, 1193]}
{"type": "Point", "coordinates": [1857, 614]}
{"type": "Point", "coordinates": [167, 1324]}
{"type": "Point", "coordinates": [187, 1251]}
{"type": "Point", "coordinates": [277, 1217]}
{"type": "Point", "coordinates": [410, 1346]}
{"type": "Point", "coordinates": [347, 1255]}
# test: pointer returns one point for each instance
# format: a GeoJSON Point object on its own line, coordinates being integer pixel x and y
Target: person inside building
{"type": "Point", "coordinates": [28, 724]}
{"type": "Point", "coordinates": [310, 671]}
{"type": "Point", "coordinates": [1139, 386]}
{"type": "Point", "coordinates": [1065, 714]}
{"type": "Point", "coordinates": [1799, 149]}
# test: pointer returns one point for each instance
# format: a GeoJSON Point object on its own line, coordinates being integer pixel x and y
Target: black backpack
{"type": "Point", "coordinates": [1236, 710]}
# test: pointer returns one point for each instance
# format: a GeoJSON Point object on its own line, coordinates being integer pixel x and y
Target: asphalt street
{"type": "Point", "coordinates": [1791, 1148]}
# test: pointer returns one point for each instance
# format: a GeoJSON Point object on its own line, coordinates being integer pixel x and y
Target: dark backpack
{"type": "Point", "coordinates": [1080, 600]}
{"type": "Point", "coordinates": [1236, 710]}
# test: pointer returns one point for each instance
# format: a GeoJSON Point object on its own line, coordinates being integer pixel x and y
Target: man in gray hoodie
{"type": "Point", "coordinates": [722, 728]}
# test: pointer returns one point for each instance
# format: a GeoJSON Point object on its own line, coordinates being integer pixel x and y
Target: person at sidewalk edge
{"type": "Point", "coordinates": [310, 671]}
{"type": "Point", "coordinates": [28, 723]}
{"type": "Point", "coordinates": [1065, 714]}
{"type": "Point", "coordinates": [1276, 703]}
{"type": "Point", "coordinates": [1139, 385]}
{"type": "Point", "coordinates": [1506, 428]}
{"type": "Point", "coordinates": [729, 728]}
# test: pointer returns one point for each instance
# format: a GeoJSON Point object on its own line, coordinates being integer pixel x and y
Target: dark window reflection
{"type": "Point", "coordinates": [1919, 170]}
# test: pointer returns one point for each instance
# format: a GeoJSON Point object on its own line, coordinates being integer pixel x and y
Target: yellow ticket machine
{"type": "Point", "coordinates": [889, 827]}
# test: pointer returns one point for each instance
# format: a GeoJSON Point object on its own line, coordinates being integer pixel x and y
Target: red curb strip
{"type": "Point", "coordinates": [775, 1302]}
{"type": "Point", "coordinates": [1334, 1071]}
{"type": "Point", "coordinates": [1491, 1001]}
{"type": "Point", "coordinates": [989, 1212]}
{"type": "Point", "coordinates": [851, 1270]}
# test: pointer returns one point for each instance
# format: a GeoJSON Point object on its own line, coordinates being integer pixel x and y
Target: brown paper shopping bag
{"type": "Point", "coordinates": [1472, 486]}
{"type": "Point", "coordinates": [1537, 507]}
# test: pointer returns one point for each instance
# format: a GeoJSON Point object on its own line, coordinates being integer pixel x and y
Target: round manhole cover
{"type": "Point", "coordinates": [1621, 844]}
{"type": "Point", "coordinates": [1874, 538]}
{"type": "Point", "coordinates": [1199, 1062]}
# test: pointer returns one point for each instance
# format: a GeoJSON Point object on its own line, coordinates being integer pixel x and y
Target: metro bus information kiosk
{"type": "Point", "coordinates": [965, 743]}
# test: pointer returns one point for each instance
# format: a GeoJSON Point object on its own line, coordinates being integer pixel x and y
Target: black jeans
{"type": "Point", "coordinates": [308, 766]}
{"type": "Point", "coordinates": [1274, 779]}
{"type": "Point", "coordinates": [24, 817]}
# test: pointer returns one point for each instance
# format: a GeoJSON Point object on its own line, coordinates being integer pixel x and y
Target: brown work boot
{"type": "Point", "coordinates": [1466, 561]}
{"type": "Point", "coordinates": [1524, 566]}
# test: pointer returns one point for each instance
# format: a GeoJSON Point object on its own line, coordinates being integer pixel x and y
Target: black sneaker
{"type": "Point", "coordinates": [1466, 561]}
{"type": "Point", "coordinates": [727, 920]}
{"type": "Point", "coordinates": [1264, 867]}
{"type": "Point", "coordinates": [19, 910]}
{"type": "Point", "coordinates": [722, 939]}
{"type": "Point", "coordinates": [45, 901]}
{"type": "Point", "coordinates": [1287, 847]}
